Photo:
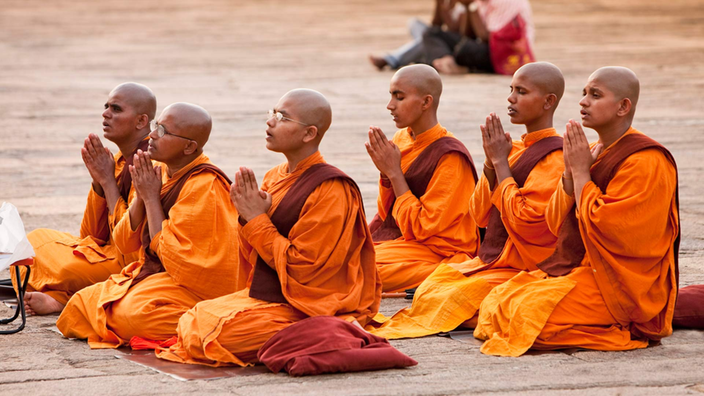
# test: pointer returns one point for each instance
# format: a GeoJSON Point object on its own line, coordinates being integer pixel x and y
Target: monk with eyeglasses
{"type": "Point", "coordinates": [180, 223]}
{"type": "Point", "coordinates": [65, 264]}
{"type": "Point", "coordinates": [305, 234]}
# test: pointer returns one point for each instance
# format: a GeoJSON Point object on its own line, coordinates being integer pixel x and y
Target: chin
{"type": "Point", "coordinates": [516, 120]}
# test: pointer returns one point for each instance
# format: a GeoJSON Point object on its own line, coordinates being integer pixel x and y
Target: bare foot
{"type": "Point", "coordinates": [447, 65]}
{"type": "Point", "coordinates": [36, 303]}
{"type": "Point", "coordinates": [378, 62]}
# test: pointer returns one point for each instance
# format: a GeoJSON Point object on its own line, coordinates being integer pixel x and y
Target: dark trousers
{"type": "Point", "coordinates": [467, 52]}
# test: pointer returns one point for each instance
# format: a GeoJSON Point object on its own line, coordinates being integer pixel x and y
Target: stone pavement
{"type": "Point", "coordinates": [60, 59]}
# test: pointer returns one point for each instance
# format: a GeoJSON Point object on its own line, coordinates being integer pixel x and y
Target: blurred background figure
{"type": "Point", "coordinates": [449, 15]}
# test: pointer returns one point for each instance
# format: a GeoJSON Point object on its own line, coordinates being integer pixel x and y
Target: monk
{"type": "Point", "coordinates": [611, 283]}
{"type": "Point", "coordinates": [306, 236]}
{"type": "Point", "coordinates": [65, 264]}
{"type": "Point", "coordinates": [180, 223]}
{"type": "Point", "coordinates": [510, 200]}
{"type": "Point", "coordinates": [427, 177]}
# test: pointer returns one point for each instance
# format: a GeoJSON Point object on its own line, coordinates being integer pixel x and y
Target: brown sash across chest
{"type": "Point", "coordinates": [418, 176]}
{"type": "Point", "coordinates": [496, 234]}
{"type": "Point", "coordinates": [124, 179]}
{"type": "Point", "coordinates": [152, 264]}
{"type": "Point", "coordinates": [570, 248]}
{"type": "Point", "coordinates": [265, 280]}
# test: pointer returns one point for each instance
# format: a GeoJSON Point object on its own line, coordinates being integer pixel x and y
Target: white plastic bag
{"type": "Point", "coordinates": [14, 245]}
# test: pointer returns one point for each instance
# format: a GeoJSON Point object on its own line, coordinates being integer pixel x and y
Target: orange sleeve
{"type": "Point", "coordinates": [558, 208]}
{"type": "Point", "coordinates": [445, 200]}
{"type": "Point", "coordinates": [629, 232]}
{"type": "Point", "coordinates": [95, 218]}
{"type": "Point", "coordinates": [386, 195]}
{"type": "Point", "coordinates": [126, 240]}
{"type": "Point", "coordinates": [480, 202]}
{"type": "Point", "coordinates": [198, 244]}
{"type": "Point", "coordinates": [523, 209]}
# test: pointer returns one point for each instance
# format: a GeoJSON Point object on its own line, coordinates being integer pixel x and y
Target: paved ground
{"type": "Point", "coordinates": [60, 59]}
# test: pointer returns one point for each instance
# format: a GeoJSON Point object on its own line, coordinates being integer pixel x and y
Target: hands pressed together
{"type": "Point", "coordinates": [579, 158]}
{"type": "Point", "coordinates": [249, 200]}
{"type": "Point", "coordinates": [497, 143]}
{"type": "Point", "coordinates": [146, 178]}
{"type": "Point", "coordinates": [384, 153]}
{"type": "Point", "coordinates": [99, 161]}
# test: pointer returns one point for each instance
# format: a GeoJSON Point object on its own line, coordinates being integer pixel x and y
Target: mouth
{"type": "Point", "coordinates": [152, 147]}
{"type": "Point", "coordinates": [269, 136]}
{"type": "Point", "coordinates": [511, 111]}
{"type": "Point", "coordinates": [394, 117]}
{"type": "Point", "coordinates": [584, 114]}
{"type": "Point", "coordinates": [105, 125]}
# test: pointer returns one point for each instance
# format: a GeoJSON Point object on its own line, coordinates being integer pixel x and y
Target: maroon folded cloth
{"type": "Point", "coordinates": [327, 344]}
{"type": "Point", "coordinates": [689, 310]}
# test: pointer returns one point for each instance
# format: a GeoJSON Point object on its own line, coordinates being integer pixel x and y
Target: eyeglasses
{"type": "Point", "coordinates": [161, 131]}
{"type": "Point", "coordinates": [275, 114]}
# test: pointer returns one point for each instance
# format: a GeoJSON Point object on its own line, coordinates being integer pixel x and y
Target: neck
{"type": "Point", "coordinates": [295, 157]}
{"type": "Point", "coordinates": [539, 124]}
{"type": "Point", "coordinates": [610, 134]}
{"type": "Point", "coordinates": [423, 124]}
{"type": "Point", "coordinates": [174, 166]}
{"type": "Point", "coordinates": [129, 146]}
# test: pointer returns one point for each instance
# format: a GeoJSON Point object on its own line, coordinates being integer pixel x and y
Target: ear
{"type": "Point", "coordinates": [311, 133]}
{"type": "Point", "coordinates": [427, 102]}
{"type": "Point", "coordinates": [550, 101]}
{"type": "Point", "coordinates": [142, 121]}
{"type": "Point", "coordinates": [624, 107]}
{"type": "Point", "coordinates": [191, 147]}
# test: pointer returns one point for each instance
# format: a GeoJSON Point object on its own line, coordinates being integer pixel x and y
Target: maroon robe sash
{"type": "Point", "coordinates": [152, 264]}
{"type": "Point", "coordinates": [265, 280]}
{"type": "Point", "coordinates": [124, 179]}
{"type": "Point", "coordinates": [496, 234]}
{"type": "Point", "coordinates": [418, 176]}
{"type": "Point", "coordinates": [570, 248]}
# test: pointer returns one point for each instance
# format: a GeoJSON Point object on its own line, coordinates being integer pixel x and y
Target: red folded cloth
{"type": "Point", "coordinates": [139, 343]}
{"type": "Point", "coordinates": [689, 310]}
{"type": "Point", "coordinates": [326, 344]}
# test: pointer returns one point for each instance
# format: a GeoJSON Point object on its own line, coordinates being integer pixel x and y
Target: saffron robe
{"type": "Point", "coordinates": [195, 247]}
{"type": "Point", "coordinates": [437, 226]}
{"type": "Point", "coordinates": [65, 264]}
{"type": "Point", "coordinates": [453, 293]}
{"type": "Point", "coordinates": [623, 293]}
{"type": "Point", "coordinates": [325, 266]}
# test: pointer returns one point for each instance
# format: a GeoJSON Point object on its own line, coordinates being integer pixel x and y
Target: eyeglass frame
{"type": "Point", "coordinates": [161, 131]}
{"type": "Point", "coordinates": [272, 113]}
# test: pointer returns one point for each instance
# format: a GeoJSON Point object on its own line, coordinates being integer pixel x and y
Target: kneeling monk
{"type": "Point", "coordinates": [306, 235]}
{"type": "Point", "coordinates": [181, 223]}
{"type": "Point", "coordinates": [510, 200]}
{"type": "Point", "coordinates": [65, 264]}
{"type": "Point", "coordinates": [427, 177]}
{"type": "Point", "coordinates": [612, 281]}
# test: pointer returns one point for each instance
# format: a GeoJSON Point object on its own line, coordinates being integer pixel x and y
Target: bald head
{"type": "Point", "coordinates": [423, 78]}
{"type": "Point", "coordinates": [621, 81]}
{"type": "Point", "coordinates": [309, 107]}
{"type": "Point", "coordinates": [139, 96]}
{"type": "Point", "coordinates": [545, 76]}
{"type": "Point", "coordinates": [188, 120]}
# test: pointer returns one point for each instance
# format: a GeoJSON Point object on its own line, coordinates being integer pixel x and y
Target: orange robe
{"type": "Point", "coordinates": [325, 266]}
{"type": "Point", "coordinates": [195, 246]}
{"type": "Point", "coordinates": [623, 294]}
{"type": "Point", "coordinates": [447, 298]}
{"type": "Point", "coordinates": [437, 227]}
{"type": "Point", "coordinates": [65, 264]}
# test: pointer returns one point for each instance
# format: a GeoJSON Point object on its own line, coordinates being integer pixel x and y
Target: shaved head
{"type": "Point", "coordinates": [309, 107]}
{"type": "Point", "coordinates": [546, 77]}
{"type": "Point", "coordinates": [188, 120]}
{"type": "Point", "coordinates": [621, 81]}
{"type": "Point", "coordinates": [423, 78]}
{"type": "Point", "coordinates": [139, 96]}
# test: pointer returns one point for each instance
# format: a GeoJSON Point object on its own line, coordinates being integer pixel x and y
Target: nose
{"type": "Point", "coordinates": [154, 135]}
{"type": "Point", "coordinates": [391, 105]}
{"type": "Point", "coordinates": [271, 122]}
{"type": "Point", "coordinates": [584, 102]}
{"type": "Point", "coordinates": [511, 98]}
{"type": "Point", "coordinates": [106, 113]}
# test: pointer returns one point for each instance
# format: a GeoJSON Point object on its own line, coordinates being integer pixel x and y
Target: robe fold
{"type": "Point", "coordinates": [623, 293]}
{"type": "Point", "coordinates": [65, 264]}
{"type": "Point", "coordinates": [196, 247]}
{"type": "Point", "coordinates": [452, 294]}
{"type": "Point", "coordinates": [435, 227]}
{"type": "Point", "coordinates": [325, 266]}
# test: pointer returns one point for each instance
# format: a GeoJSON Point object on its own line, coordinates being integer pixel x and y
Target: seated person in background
{"type": "Point", "coordinates": [498, 39]}
{"type": "Point", "coordinates": [449, 14]}
{"type": "Point", "coordinates": [611, 284]}
{"type": "Point", "coordinates": [510, 200]}
{"type": "Point", "coordinates": [306, 236]}
{"type": "Point", "coordinates": [65, 264]}
{"type": "Point", "coordinates": [427, 178]}
{"type": "Point", "coordinates": [180, 222]}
